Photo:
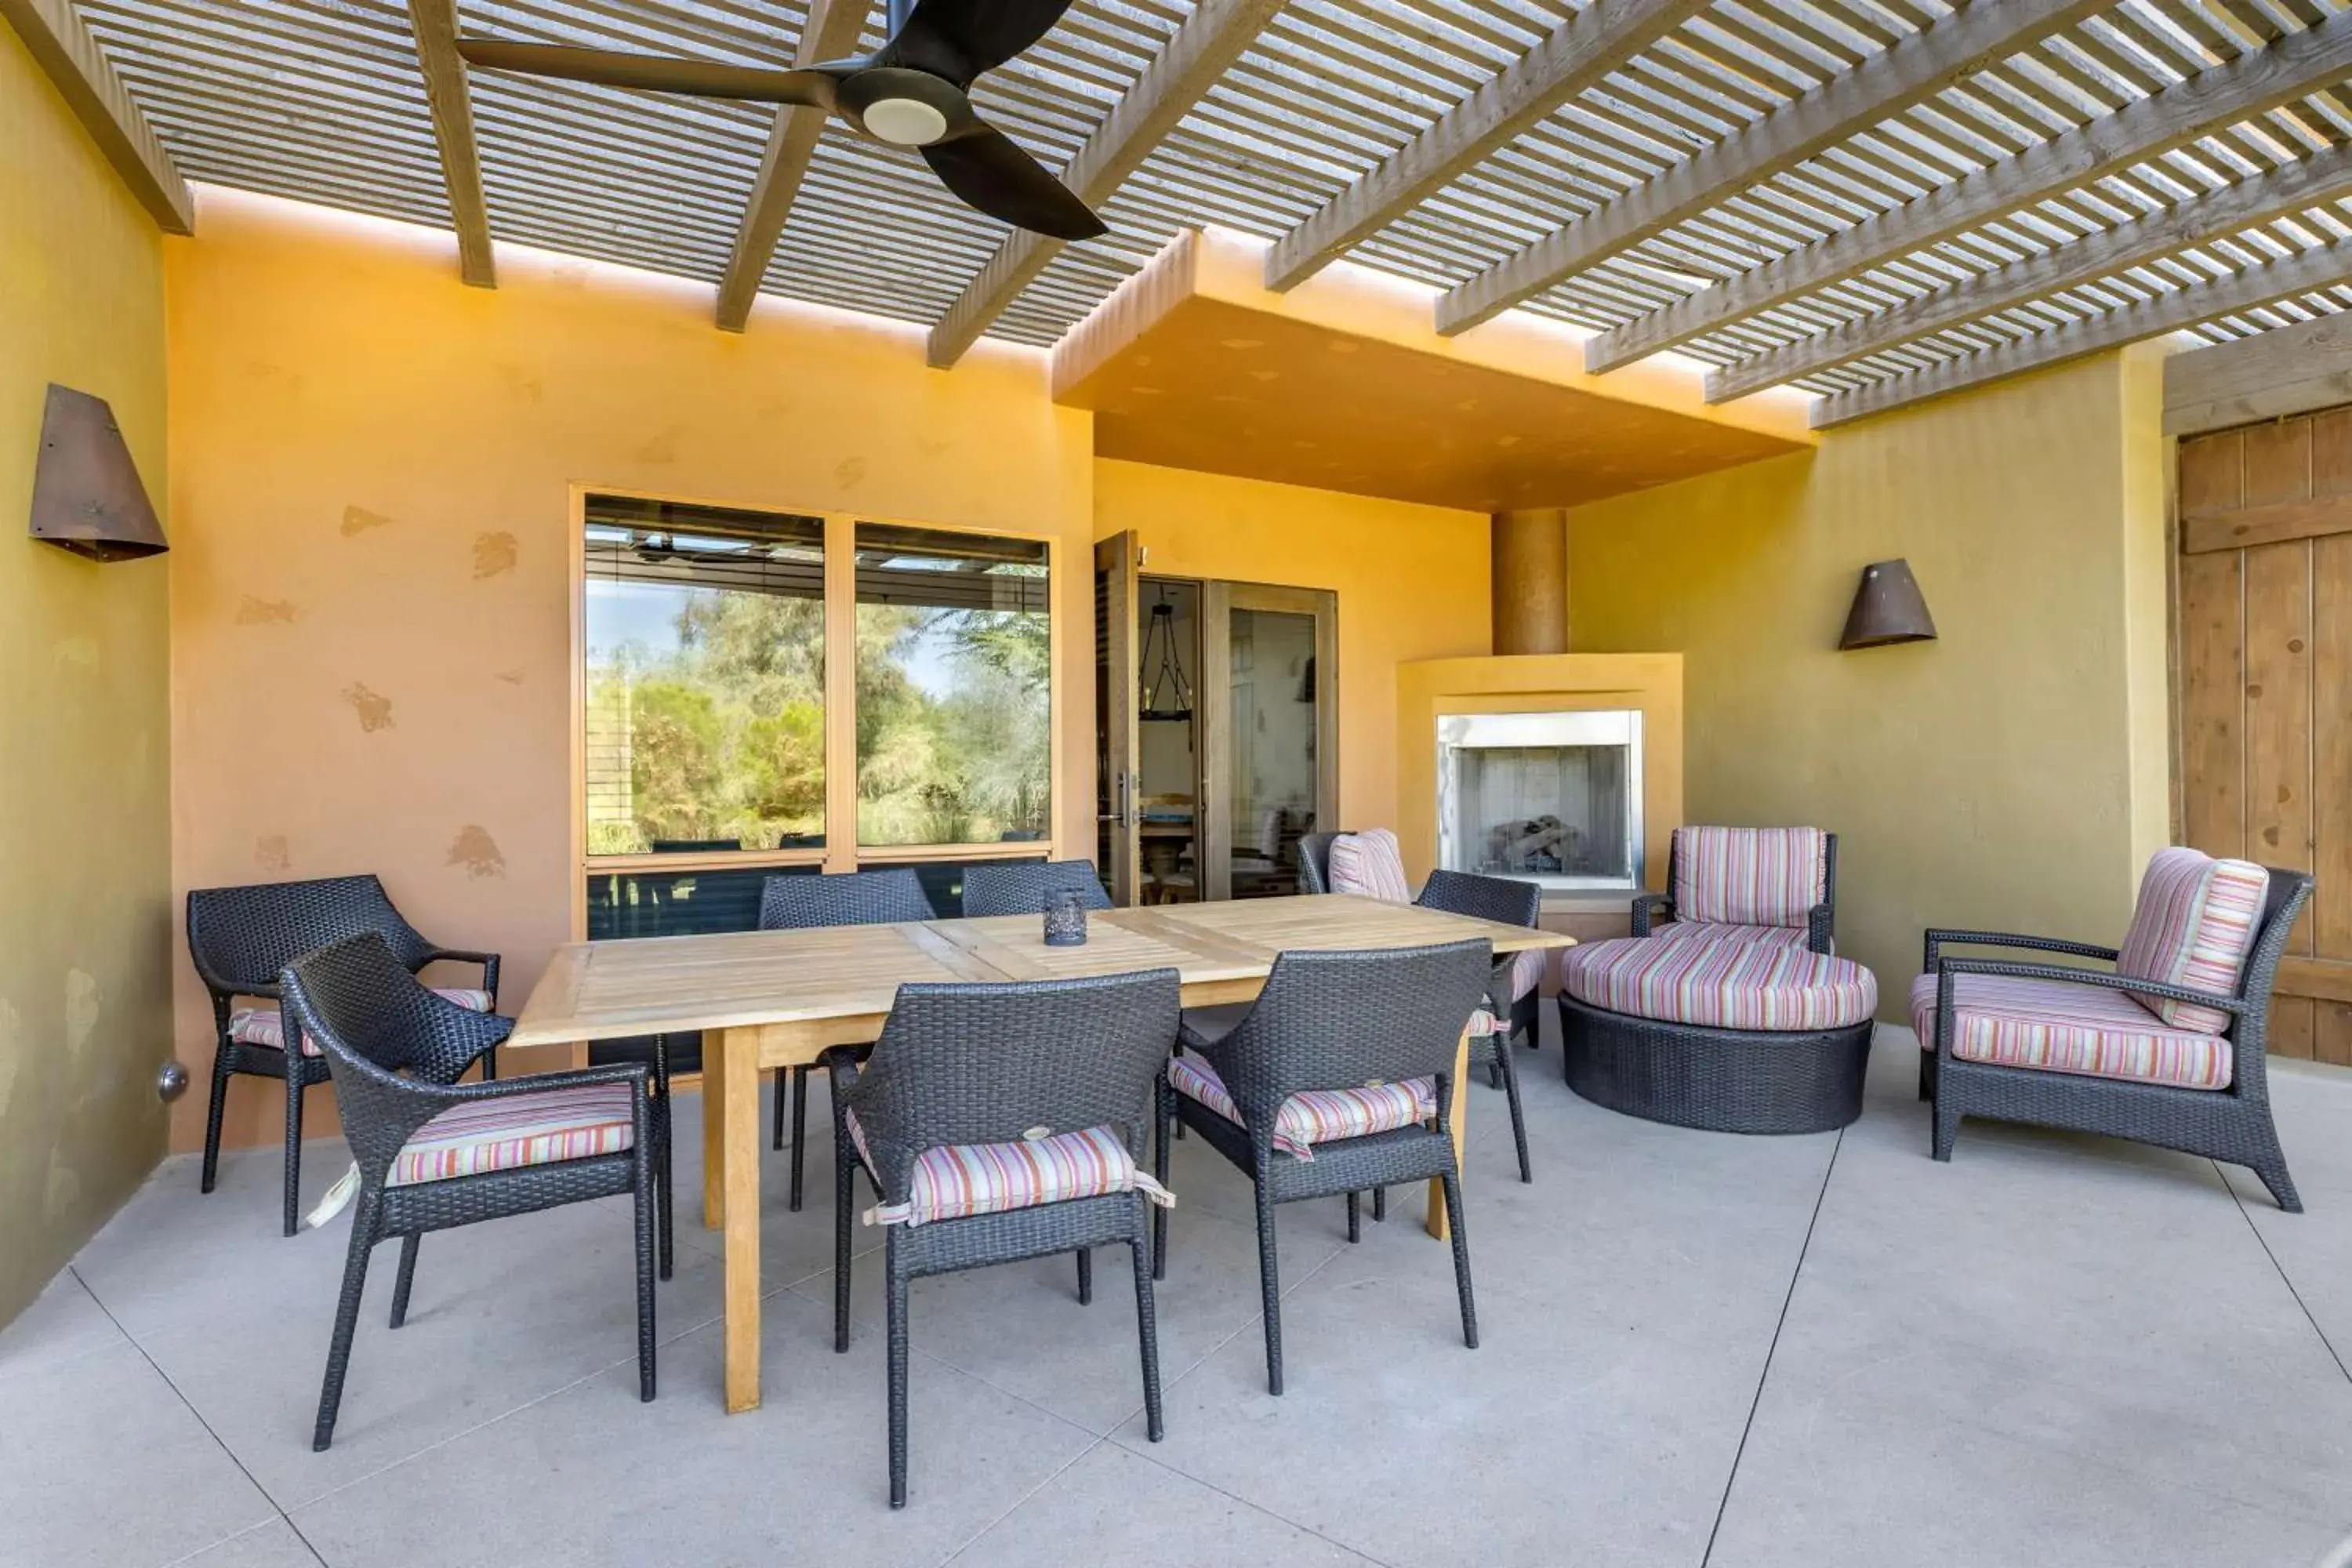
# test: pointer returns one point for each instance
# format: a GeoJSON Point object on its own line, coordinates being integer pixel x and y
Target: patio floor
{"type": "Point", "coordinates": [1698, 1349]}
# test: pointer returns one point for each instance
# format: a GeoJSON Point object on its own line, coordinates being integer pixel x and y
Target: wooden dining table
{"type": "Point", "coordinates": [764, 1000]}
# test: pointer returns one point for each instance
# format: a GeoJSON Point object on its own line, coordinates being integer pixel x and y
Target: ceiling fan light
{"type": "Point", "coordinates": [905, 121]}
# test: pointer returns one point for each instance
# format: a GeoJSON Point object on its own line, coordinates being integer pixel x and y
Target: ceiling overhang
{"type": "Point", "coordinates": [1342, 384]}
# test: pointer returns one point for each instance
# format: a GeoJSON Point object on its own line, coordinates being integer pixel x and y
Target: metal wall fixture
{"type": "Point", "coordinates": [87, 497]}
{"type": "Point", "coordinates": [1887, 608]}
{"type": "Point", "coordinates": [1167, 693]}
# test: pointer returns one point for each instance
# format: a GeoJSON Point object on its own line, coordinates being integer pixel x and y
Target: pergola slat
{"type": "Point", "coordinates": [434, 23]}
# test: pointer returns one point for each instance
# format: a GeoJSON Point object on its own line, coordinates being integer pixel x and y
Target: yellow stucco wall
{"type": "Point", "coordinates": [1412, 582]}
{"type": "Point", "coordinates": [2010, 775]}
{"type": "Point", "coordinates": [84, 809]}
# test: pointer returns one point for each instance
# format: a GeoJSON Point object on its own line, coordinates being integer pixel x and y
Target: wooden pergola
{"type": "Point", "coordinates": [1876, 201]}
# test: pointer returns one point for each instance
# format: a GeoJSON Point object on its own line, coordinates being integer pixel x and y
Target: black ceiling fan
{"type": "Point", "coordinates": [909, 93]}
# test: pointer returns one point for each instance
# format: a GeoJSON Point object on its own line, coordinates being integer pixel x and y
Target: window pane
{"type": "Point", "coordinates": [705, 722]}
{"type": "Point", "coordinates": [954, 707]}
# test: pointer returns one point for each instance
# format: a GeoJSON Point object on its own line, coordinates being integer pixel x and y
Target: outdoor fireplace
{"type": "Point", "coordinates": [1551, 798]}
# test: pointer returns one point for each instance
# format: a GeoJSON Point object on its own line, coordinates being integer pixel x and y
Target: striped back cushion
{"type": "Point", "coordinates": [1748, 876]}
{"type": "Point", "coordinates": [2192, 926]}
{"type": "Point", "coordinates": [1369, 863]}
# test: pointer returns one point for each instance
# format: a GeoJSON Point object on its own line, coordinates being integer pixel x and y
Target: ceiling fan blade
{"type": "Point", "coordinates": [984, 169]}
{"type": "Point", "coordinates": [704, 79]}
{"type": "Point", "coordinates": [961, 38]}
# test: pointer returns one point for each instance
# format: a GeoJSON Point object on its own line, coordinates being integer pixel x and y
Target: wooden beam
{"type": "Point", "coordinates": [1574, 56]}
{"type": "Point", "coordinates": [62, 46]}
{"type": "Point", "coordinates": [2287, 370]}
{"type": "Point", "coordinates": [2325, 268]}
{"type": "Point", "coordinates": [2259, 80]}
{"type": "Point", "coordinates": [1210, 39]}
{"type": "Point", "coordinates": [830, 31]}
{"type": "Point", "coordinates": [434, 23]}
{"type": "Point", "coordinates": [1915, 70]}
{"type": "Point", "coordinates": [2322, 177]}
{"type": "Point", "coordinates": [2274, 522]}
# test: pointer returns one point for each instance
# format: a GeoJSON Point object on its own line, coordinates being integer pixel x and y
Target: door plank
{"type": "Point", "coordinates": [2212, 704]}
{"type": "Point", "coordinates": [2246, 526]}
{"type": "Point", "coordinates": [2278, 716]}
{"type": "Point", "coordinates": [2331, 746]}
{"type": "Point", "coordinates": [2278, 462]}
{"type": "Point", "coordinates": [2331, 1039]}
{"type": "Point", "coordinates": [2331, 452]}
{"type": "Point", "coordinates": [2293, 1024]}
{"type": "Point", "coordinates": [2212, 474]}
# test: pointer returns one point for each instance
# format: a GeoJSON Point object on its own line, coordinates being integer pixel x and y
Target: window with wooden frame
{"type": "Point", "coordinates": [769, 690]}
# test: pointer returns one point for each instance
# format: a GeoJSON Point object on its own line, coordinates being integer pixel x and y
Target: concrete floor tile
{"type": "Point", "coordinates": [1128, 1510]}
{"type": "Point", "coordinates": [592, 1476]}
{"type": "Point", "coordinates": [63, 1323]}
{"type": "Point", "coordinates": [102, 1464]}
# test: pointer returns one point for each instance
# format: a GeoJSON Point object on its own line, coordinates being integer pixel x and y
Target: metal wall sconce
{"type": "Point", "coordinates": [87, 497]}
{"type": "Point", "coordinates": [1887, 608]}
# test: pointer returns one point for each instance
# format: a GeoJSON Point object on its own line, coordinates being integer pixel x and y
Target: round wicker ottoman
{"type": "Point", "coordinates": [1754, 1038]}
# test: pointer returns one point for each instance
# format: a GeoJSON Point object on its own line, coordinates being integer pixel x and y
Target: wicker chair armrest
{"type": "Point", "coordinates": [1939, 937]}
{"type": "Point", "coordinates": [1820, 927]}
{"type": "Point", "coordinates": [487, 961]}
{"type": "Point", "coordinates": [639, 1074]}
{"type": "Point", "coordinates": [2071, 976]}
{"type": "Point", "coordinates": [1647, 907]}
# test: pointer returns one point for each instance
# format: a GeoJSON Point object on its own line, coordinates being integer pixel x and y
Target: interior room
{"type": "Point", "coordinates": [900, 723]}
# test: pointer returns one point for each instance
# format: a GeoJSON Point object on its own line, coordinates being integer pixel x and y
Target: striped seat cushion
{"type": "Point", "coordinates": [1370, 864]}
{"type": "Point", "coordinates": [1765, 986]}
{"type": "Point", "coordinates": [1748, 876]}
{"type": "Point", "coordinates": [2192, 926]}
{"type": "Point", "coordinates": [261, 1025]}
{"type": "Point", "coordinates": [1527, 971]}
{"type": "Point", "coordinates": [1699, 930]}
{"type": "Point", "coordinates": [967, 1179]}
{"type": "Point", "coordinates": [510, 1131]}
{"type": "Point", "coordinates": [2063, 1028]}
{"type": "Point", "coordinates": [1316, 1116]}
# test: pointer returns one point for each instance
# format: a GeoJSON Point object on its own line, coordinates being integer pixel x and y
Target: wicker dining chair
{"type": "Point", "coordinates": [848, 899]}
{"type": "Point", "coordinates": [2230, 1119]}
{"type": "Point", "coordinates": [241, 937]}
{"type": "Point", "coordinates": [1019, 888]}
{"type": "Point", "coordinates": [1506, 1017]}
{"type": "Point", "coordinates": [1315, 862]}
{"type": "Point", "coordinates": [434, 1152]}
{"type": "Point", "coordinates": [998, 1122]}
{"type": "Point", "coordinates": [1338, 1081]}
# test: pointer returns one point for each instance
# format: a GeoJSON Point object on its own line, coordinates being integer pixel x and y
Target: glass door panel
{"type": "Point", "coordinates": [1272, 763]}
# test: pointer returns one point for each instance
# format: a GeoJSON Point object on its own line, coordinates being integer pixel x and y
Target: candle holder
{"type": "Point", "coordinates": [1065, 919]}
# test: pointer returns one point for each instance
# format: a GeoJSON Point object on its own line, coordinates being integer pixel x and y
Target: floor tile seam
{"type": "Point", "coordinates": [1764, 1373]}
{"type": "Point", "coordinates": [230, 1454]}
{"type": "Point", "coordinates": [250, 1530]}
{"type": "Point", "coordinates": [2284, 1278]}
{"type": "Point", "coordinates": [1146, 1454]}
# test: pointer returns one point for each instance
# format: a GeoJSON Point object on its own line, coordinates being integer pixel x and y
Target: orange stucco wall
{"type": "Point", "coordinates": [371, 479]}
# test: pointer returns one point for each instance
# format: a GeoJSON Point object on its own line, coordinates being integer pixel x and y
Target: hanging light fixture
{"type": "Point", "coordinates": [1167, 694]}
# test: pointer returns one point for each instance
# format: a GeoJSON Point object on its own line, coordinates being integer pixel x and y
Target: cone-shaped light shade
{"type": "Point", "coordinates": [1887, 608]}
{"type": "Point", "coordinates": [85, 491]}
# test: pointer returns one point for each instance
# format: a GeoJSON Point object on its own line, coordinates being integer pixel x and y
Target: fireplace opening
{"type": "Point", "coordinates": [1551, 799]}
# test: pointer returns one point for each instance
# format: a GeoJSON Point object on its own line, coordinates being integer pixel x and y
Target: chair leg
{"type": "Point", "coordinates": [213, 1115]}
{"type": "Point", "coordinates": [293, 1146]}
{"type": "Point", "coordinates": [1147, 1328]}
{"type": "Point", "coordinates": [1380, 1206]}
{"type": "Point", "coordinates": [800, 1130]}
{"type": "Point", "coordinates": [1461, 1259]}
{"type": "Point", "coordinates": [645, 1250]}
{"type": "Point", "coordinates": [1355, 1220]}
{"type": "Point", "coordinates": [1167, 1097]}
{"type": "Point", "coordinates": [1946, 1125]}
{"type": "Point", "coordinates": [665, 1189]}
{"type": "Point", "coordinates": [1510, 1071]}
{"type": "Point", "coordinates": [1926, 1075]}
{"type": "Point", "coordinates": [895, 1312]}
{"type": "Point", "coordinates": [844, 1198]}
{"type": "Point", "coordinates": [405, 1277]}
{"type": "Point", "coordinates": [2270, 1166]}
{"type": "Point", "coordinates": [1270, 1285]}
{"type": "Point", "coordinates": [784, 1093]}
{"type": "Point", "coordinates": [1086, 1277]}
{"type": "Point", "coordinates": [366, 1214]}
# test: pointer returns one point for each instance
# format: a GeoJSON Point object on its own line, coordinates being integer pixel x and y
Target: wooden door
{"type": "Point", "coordinates": [1269, 696]}
{"type": "Point", "coordinates": [1119, 815]}
{"type": "Point", "coordinates": [2265, 689]}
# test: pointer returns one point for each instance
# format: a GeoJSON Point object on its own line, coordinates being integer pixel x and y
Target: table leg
{"type": "Point", "coordinates": [1455, 1122]}
{"type": "Point", "coordinates": [714, 1123]}
{"type": "Point", "coordinates": [738, 1075]}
